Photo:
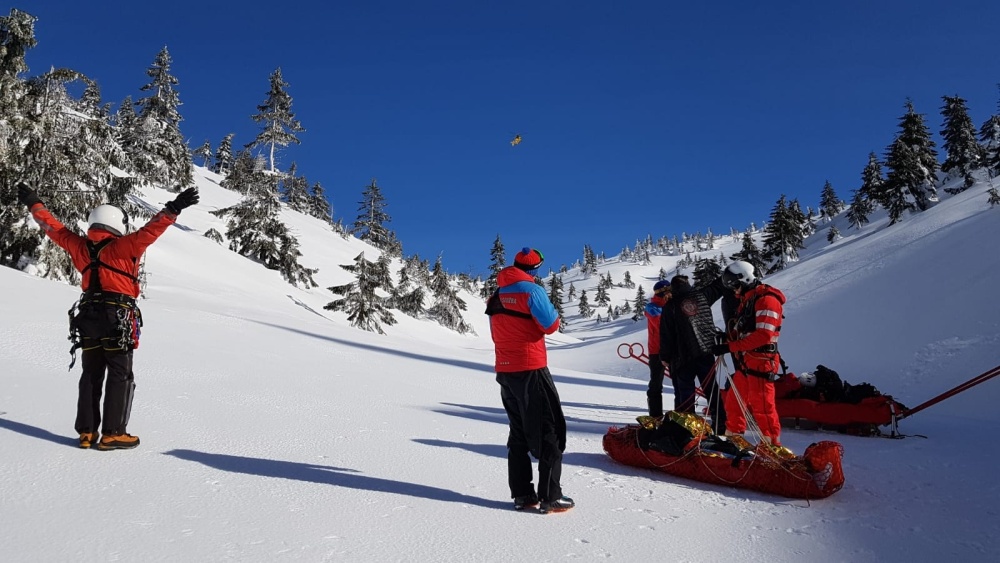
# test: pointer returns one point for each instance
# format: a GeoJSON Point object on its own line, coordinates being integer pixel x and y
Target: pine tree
{"type": "Point", "coordinates": [371, 220]}
{"type": "Point", "coordinates": [224, 155]}
{"type": "Point", "coordinates": [963, 151]}
{"type": "Point", "coordinates": [799, 218]}
{"type": "Point", "coordinates": [162, 154]}
{"type": "Point", "coordinates": [706, 270]}
{"type": "Point", "coordinates": [215, 235]}
{"type": "Point", "coordinates": [627, 282]}
{"type": "Point", "coordinates": [555, 294]}
{"type": "Point", "coordinates": [254, 228]}
{"type": "Point", "coordinates": [18, 30]}
{"type": "Point", "coordinates": [42, 124]}
{"type": "Point", "coordinates": [861, 208]}
{"type": "Point", "coordinates": [279, 125]}
{"type": "Point", "coordinates": [365, 309]}
{"type": "Point", "coordinates": [602, 298]}
{"type": "Point", "coordinates": [584, 305]}
{"type": "Point", "coordinates": [589, 261]}
{"type": "Point", "coordinates": [829, 203]}
{"type": "Point", "coordinates": [833, 234]}
{"type": "Point", "coordinates": [912, 165]}
{"type": "Point", "coordinates": [448, 306]}
{"type": "Point", "coordinates": [571, 294]}
{"type": "Point", "coordinates": [204, 152]}
{"type": "Point", "coordinates": [782, 237]}
{"type": "Point", "coordinates": [287, 262]}
{"type": "Point", "coordinates": [409, 300]}
{"type": "Point", "coordinates": [21, 136]}
{"type": "Point", "coordinates": [989, 136]}
{"type": "Point", "coordinates": [904, 171]}
{"type": "Point", "coordinates": [498, 260]}
{"type": "Point", "coordinates": [319, 207]}
{"type": "Point", "coordinates": [295, 190]}
{"type": "Point", "coordinates": [994, 197]}
{"type": "Point", "coordinates": [640, 301]}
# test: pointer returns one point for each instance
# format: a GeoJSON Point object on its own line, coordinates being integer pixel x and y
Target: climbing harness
{"type": "Point", "coordinates": [102, 319]}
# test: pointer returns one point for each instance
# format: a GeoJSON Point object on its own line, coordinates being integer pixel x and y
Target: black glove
{"type": "Point", "coordinates": [185, 199]}
{"type": "Point", "coordinates": [720, 349]}
{"type": "Point", "coordinates": [26, 195]}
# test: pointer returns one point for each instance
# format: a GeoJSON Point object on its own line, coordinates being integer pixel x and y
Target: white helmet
{"type": "Point", "coordinates": [738, 274]}
{"type": "Point", "coordinates": [807, 379]}
{"type": "Point", "coordinates": [109, 218]}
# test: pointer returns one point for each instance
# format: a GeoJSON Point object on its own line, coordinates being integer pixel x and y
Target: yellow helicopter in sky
{"type": "Point", "coordinates": [516, 140]}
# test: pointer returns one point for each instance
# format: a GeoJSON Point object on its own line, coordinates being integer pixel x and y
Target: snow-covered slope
{"type": "Point", "coordinates": [271, 430]}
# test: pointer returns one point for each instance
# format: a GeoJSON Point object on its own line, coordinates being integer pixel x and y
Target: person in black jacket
{"type": "Point", "coordinates": [687, 334]}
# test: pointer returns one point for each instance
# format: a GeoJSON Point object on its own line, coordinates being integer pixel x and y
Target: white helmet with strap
{"type": "Point", "coordinates": [739, 274]}
{"type": "Point", "coordinates": [109, 218]}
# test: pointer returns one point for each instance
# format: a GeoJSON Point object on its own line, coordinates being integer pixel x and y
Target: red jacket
{"type": "Point", "coordinates": [122, 253]}
{"type": "Point", "coordinates": [520, 340]}
{"type": "Point", "coordinates": [653, 311]}
{"type": "Point", "coordinates": [757, 323]}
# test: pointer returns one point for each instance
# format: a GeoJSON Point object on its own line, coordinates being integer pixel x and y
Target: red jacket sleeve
{"type": "Point", "coordinates": [69, 241]}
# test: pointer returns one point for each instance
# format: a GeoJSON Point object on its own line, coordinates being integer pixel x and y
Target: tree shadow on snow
{"type": "Point", "coordinates": [36, 432]}
{"type": "Point", "coordinates": [327, 475]}
{"type": "Point", "coordinates": [499, 415]}
{"type": "Point", "coordinates": [386, 350]}
{"type": "Point", "coordinates": [623, 384]}
{"type": "Point", "coordinates": [489, 368]}
{"type": "Point", "coordinates": [489, 450]}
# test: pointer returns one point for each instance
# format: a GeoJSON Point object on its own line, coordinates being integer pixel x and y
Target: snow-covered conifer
{"type": "Point", "coordinates": [278, 123]}
{"type": "Point", "coordinates": [364, 307]}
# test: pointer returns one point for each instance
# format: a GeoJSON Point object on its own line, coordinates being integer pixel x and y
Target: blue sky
{"type": "Point", "coordinates": [637, 117]}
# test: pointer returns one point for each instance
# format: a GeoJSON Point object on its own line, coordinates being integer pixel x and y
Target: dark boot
{"type": "Point", "coordinates": [655, 404]}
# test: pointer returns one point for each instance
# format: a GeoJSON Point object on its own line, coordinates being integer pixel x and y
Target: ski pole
{"type": "Point", "coordinates": [953, 391]}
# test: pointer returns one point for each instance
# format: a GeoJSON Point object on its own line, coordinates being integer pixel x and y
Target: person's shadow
{"type": "Point", "coordinates": [36, 432]}
{"type": "Point", "coordinates": [327, 475]}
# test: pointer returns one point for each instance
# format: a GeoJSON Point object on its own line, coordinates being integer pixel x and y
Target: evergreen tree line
{"type": "Point", "coordinates": [57, 141]}
{"type": "Point", "coordinates": [905, 179]}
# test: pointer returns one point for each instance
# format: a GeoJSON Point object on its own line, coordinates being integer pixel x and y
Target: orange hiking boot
{"type": "Point", "coordinates": [87, 439]}
{"type": "Point", "coordinates": [117, 442]}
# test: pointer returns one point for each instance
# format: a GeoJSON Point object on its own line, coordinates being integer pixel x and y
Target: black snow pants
{"type": "Point", "coordinates": [106, 344]}
{"type": "Point", "coordinates": [654, 393]}
{"type": "Point", "coordinates": [538, 427]}
{"type": "Point", "coordinates": [684, 376]}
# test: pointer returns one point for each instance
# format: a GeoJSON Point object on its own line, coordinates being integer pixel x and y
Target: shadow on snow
{"type": "Point", "coordinates": [326, 475]}
{"type": "Point", "coordinates": [36, 432]}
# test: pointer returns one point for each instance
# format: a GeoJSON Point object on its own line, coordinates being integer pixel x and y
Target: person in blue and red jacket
{"type": "Point", "coordinates": [520, 317]}
{"type": "Point", "coordinates": [653, 310]}
{"type": "Point", "coordinates": [106, 320]}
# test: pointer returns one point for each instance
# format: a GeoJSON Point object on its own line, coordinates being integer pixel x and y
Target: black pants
{"type": "Point", "coordinates": [118, 396]}
{"type": "Point", "coordinates": [654, 394]}
{"type": "Point", "coordinates": [538, 427]}
{"type": "Point", "coordinates": [106, 339]}
{"type": "Point", "coordinates": [684, 376]}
